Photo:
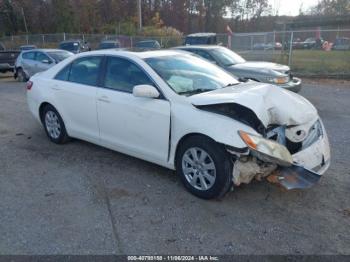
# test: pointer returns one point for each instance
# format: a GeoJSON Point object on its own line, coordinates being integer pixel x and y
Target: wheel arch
{"type": "Point", "coordinates": [186, 137]}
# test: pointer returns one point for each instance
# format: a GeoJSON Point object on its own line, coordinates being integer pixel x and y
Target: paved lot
{"type": "Point", "coordinates": [83, 199]}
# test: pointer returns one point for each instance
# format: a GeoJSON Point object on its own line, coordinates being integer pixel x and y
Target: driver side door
{"type": "Point", "coordinates": [133, 125]}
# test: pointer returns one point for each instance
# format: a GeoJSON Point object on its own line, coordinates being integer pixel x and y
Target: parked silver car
{"type": "Point", "coordinates": [264, 72]}
{"type": "Point", "coordinates": [33, 61]}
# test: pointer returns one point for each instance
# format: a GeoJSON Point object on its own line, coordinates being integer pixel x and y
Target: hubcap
{"type": "Point", "coordinates": [52, 124]}
{"type": "Point", "coordinates": [199, 168]}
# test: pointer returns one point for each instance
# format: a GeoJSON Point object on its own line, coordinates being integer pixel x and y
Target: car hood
{"type": "Point", "coordinates": [271, 104]}
{"type": "Point", "coordinates": [261, 66]}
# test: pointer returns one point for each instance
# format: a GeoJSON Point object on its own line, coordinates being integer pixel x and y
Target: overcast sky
{"type": "Point", "coordinates": [291, 7]}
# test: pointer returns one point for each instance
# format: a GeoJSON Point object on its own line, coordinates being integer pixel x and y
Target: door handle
{"type": "Point", "coordinates": [104, 99]}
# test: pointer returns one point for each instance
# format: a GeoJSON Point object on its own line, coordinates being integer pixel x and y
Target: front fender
{"type": "Point", "coordinates": [222, 129]}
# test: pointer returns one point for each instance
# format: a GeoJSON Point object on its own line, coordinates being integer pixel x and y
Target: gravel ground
{"type": "Point", "coordinates": [83, 199]}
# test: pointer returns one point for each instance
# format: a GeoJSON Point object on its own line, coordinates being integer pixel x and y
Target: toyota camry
{"type": "Point", "coordinates": [185, 113]}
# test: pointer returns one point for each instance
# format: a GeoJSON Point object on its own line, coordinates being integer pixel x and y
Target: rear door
{"type": "Point", "coordinates": [29, 62]}
{"type": "Point", "coordinates": [133, 125]}
{"type": "Point", "coordinates": [75, 96]}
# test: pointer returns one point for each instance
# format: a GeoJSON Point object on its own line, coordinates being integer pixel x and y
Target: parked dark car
{"type": "Point", "coordinates": [74, 46]}
{"type": "Point", "coordinates": [313, 43]}
{"type": "Point", "coordinates": [201, 39]}
{"type": "Point", "coordinates": [109, 44]}
{"type": "Point", "coordinates": [27, 47]}
{"type": "Point", "coordinates": [7, 60]}
{"type": "Point", "coordinates": [147, 45]}
{"type": "Point", "coordinates": [341, 43]}
{"type": "Point", "coordinates": [265, 72]}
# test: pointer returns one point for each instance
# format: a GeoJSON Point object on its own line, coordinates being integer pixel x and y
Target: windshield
{"type": "Point", "coordinates": [227, 57]}
{"type": "Point", "coordinates": [200, 40]}
{"type": "Point", "coordinates": [58, 56]}
{"type": "Point", "coordinates": [71, 46]}
{"type": "Point", "coordinates": [152, 44]}
{"type": "Point", "coordinates": [108, 45]}
{"type": "Point", "coordinates": [188, 75]}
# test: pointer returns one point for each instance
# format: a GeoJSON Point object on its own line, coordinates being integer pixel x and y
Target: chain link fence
{"type": "Point", "coordinates": [319, 53]}
{"type": "Point", "coordinates": [324, 53]}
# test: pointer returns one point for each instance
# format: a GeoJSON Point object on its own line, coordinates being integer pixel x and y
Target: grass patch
{"type": "Point", "coordinates": [308, 62]}
{"type": "Point", "coordinates": [317, 62]}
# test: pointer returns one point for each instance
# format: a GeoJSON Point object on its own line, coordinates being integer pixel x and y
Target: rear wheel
{"type": "Point", "coordinates": [205, 167]}
{"type": "Point", "coordinates": [54, 125]}
{"type": "Point", "coordinates": [21, 75]}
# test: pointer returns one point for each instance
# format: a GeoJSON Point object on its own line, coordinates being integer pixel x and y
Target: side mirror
{"type": "Point", "coordinates": [46, 61]}
{"type": "Point", "coordinates": [146, 91]}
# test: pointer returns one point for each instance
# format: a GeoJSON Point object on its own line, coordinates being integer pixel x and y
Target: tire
{"type": "Point", "coordinates": [21, 75]}
{"type": "Point", "coordinates": [54, 125]}
{"type": "Point", "coordinates": [209, 178]}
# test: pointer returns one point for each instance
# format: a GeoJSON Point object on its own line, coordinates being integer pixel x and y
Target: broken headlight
{"type": "Point", "coordinates": [267, 150]}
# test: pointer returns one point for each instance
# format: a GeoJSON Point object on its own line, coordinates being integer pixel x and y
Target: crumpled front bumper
{"type": "Point", "coordinates": [293, 85]}
{"type": "Point", "coordinates": [309, 165]}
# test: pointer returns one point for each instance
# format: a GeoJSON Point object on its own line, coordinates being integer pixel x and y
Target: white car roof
{"type": "Point", "coordinates": [141, 55]}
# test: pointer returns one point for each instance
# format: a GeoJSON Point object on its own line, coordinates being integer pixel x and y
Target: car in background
{"type": "Point", "coordinates": [184, 113]}
{"type": "Point", "coordinates": [73, 46]}
{"type": "Point", "coordinates": [7, 60]}
{"type": "Point", "coordinates": [27, 47]}
{"type": "Point", "coordinates": [312, 43]}
{"type": "Point", "coordinates": [109, 44]}
{"type": "Point", "coordinates": [265, 72]}
{"type": "Point", "coordinates": [34, 61]}
{"type": "Point", "coordinates": [341, 43]}
{"type": "Point", "coordinates": [145, 45]}
{"type": "Point", "coordinates": [268, 46]}
{"type": "Point", "coordinates": [201, 39]}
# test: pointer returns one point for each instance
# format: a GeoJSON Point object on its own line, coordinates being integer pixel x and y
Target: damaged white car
{"type": "Point", "coordinates": [183, 113]}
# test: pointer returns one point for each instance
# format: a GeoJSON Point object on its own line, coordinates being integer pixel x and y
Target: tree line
{"type": "Point", "coordinates": [121, 17]}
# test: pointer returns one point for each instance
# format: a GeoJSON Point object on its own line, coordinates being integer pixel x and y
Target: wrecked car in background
{"type": "Point", "coordinates": [182, 112]}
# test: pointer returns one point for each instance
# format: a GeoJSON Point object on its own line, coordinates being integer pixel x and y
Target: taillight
{"type": "Point", "coordinates": [29, 85]}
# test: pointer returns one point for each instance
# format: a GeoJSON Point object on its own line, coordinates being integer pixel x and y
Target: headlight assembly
{"type": "Point", "coordinates": [280, 80]}
{"type": "Point", "coordinates": [267, 150]}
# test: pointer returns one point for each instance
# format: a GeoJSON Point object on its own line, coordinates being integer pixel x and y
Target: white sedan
{"type": "Point", "coordinates": [184, 113]}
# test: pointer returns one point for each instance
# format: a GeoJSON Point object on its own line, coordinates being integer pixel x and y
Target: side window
{"type": "Point", "coordinates": [205, 55]}
{"type": "Point", "coordinates": [63, 74]}
{"type": "Point", "coordinates": [85, 70]}
{"type": "Point", "coordinates": [41, 57]}
{"type": "Point", "coordinates": [29, 55]}
{"type": "Point", "coordinates": [123, 75]}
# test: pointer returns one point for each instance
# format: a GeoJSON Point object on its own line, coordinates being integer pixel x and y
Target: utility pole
{"type": "Point", "coordinates": [139, 8]}
{"type": "Point", "coordinates": [25, 22]}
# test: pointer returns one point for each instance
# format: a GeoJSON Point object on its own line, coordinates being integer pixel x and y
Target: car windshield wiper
{"type": "Point", "coordinates": [195, 91]}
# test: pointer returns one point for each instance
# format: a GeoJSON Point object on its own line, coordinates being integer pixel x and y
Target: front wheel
{"type": "Point", "coordinates": [204, 167]}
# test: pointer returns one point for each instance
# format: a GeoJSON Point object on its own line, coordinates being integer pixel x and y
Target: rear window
{"type": "Point", "coordinates": [58, 56]}
{"type": "Point", "coordinates": [150, 44]}
{"type": "Point", "coordinates": [109, 45]}
{"type": "Point", "coordinates": [71, 46]}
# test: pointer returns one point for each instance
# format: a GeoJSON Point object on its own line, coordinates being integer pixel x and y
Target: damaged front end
{"type": "Point", "coordinates": [294, 157]}
{"type": "Point", "coordinates": [290, 146]}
